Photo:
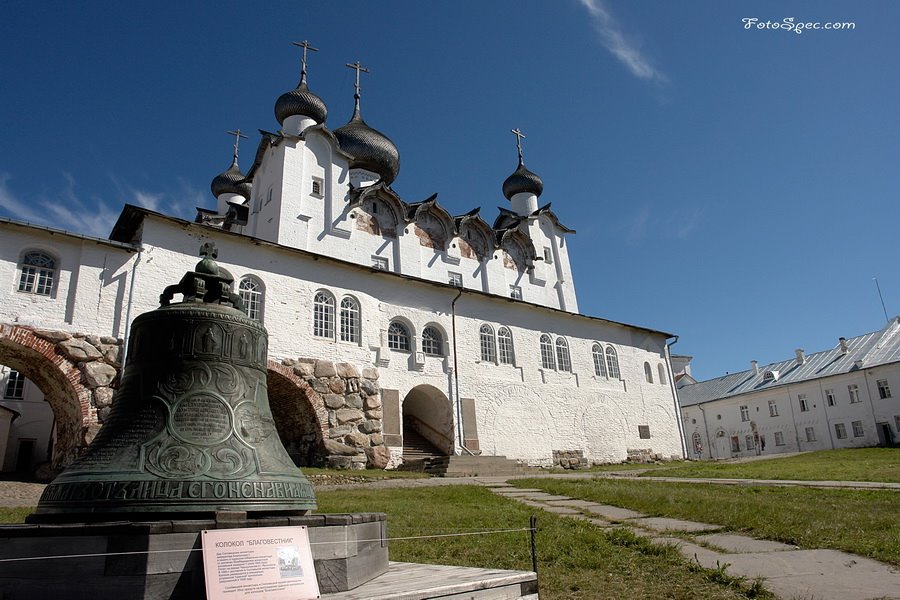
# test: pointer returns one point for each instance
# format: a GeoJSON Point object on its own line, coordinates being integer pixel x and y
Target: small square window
{"type": "Point", "coordinates": [548, 255]}
{"type": "Point", "coordinates": [380, 262]}
{"type": "Point", "coordinates": [840, 430]}
{"type": "Point", "coordinates": [773, 408]}
{"type": "Point", "coordinates": [853, 390]}
{"type": "Point", "coordinates": [15, 386]}
{"type": "Point", "coordinates": [644, 432]}
{"type": "Point", "coordinates": [317, 187]}
{"type": "Point", "coordinates": [858, 430]}
{"type": "Point", "coordinates": [884, 390]}
{"type": "Point", "coordinates": [829, 397]}
{"type": "Point", "coordinates": [810, 434]}
{"type": "Point", "coordinates": [455, 279]}
{"type": "Point", "coordinates": [735, 443]}
{"type": "Point", "coordinates": [515, 292]}
{"type": "Point", "coordinates": [745, 413]}
{"type": "Point", "coordinates": [804, 404]}
{"type": "Point", "coordinates": [748, 442]}
{"type": "Point", "coordinates": [779, 438]}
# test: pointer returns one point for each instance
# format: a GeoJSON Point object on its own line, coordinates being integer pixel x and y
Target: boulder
{"type": "Point", "coordinates": [98, 374]}
{"type": "Point", "coordinates": [377, 457]}
{"type": "Point", "coordinates": [325, 368]}
{"type": "Point", "coordinates": [78, 350]}
{"type": "Point", "coordinates": [346, 370]}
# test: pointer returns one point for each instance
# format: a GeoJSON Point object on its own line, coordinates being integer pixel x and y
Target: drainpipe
{"type": "Point", "coordinates": [459, 418]}
{"type": "Point", "coordinates": [709, 442]}
{"type": "Point", "coordinates": [130, 303]}
{"type": "Point", "coordinates": [684, 452]}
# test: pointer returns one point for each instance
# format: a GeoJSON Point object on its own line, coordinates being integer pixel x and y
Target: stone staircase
{"type": "Point", "coordinates": [421, 455]}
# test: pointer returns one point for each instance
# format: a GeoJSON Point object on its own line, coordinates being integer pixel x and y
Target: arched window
{"type": "Point", "coordinates": [648, 372]}
{"type": "Point", "coordinates": [696, 443]}
{"type": "Point", "coordinates": [432, 342]}
{"type": "Point", "coordinates": [662, 373]}
{"type": "Point", "coordinates": [548, 361]}
{"type": "Point", "coordinates": [251, 292]}
{"type": "Point", "coordinates": [599, 360]}
{"type": "Point", "coordinates": [349, 320]}
{"type": "Point", "coordinates": [398, 336]}
{"type": "Point", "coordinates": [488, 350]}
{"type": "Point", "coordinates": [612, 363]}
{"type": "Point", "coordinates": [562, 355]}
{"type": "Point", "coordinates": [38, 274]}
{"type": "Point", "coordinates": [505, 346]}
{"type": "Point", "coordinates": [323, 315]}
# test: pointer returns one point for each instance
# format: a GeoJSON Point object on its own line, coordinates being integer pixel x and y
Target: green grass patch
{"type": "Point", "coordinates": [860, 521]}
{"type": "Point", "coordinates": [853, 464]}
{"type": "Point", "coordinates": [327, 476]}
{"type": "Point", "coordinates": [15, 514]}
{"type": "Point", "coordinates": [576, 560]}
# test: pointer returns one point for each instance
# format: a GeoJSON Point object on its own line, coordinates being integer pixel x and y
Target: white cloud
{"type": "Point", "coordinates": [623, 48]}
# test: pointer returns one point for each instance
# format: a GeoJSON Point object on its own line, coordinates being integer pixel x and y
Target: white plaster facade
{"type": "Point", "coordinates": [844, 397]}
{"type": "Point", "coordinates": [26, 427]}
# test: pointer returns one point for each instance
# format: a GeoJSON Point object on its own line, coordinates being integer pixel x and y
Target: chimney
{"type": "Point", "coordinates": [845, 348]}
{"type": "Point", "coordinates": [801, 358]}
{"type": "Point", "coordinates": [754, 366]}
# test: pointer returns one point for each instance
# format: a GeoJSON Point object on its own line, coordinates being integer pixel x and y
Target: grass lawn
{"type": "Point", "coordinates": [323, 476]}
{"type": "Point", "coordinates": [863, 522]}
{"type": "Point", "coordinates": [856, 464]}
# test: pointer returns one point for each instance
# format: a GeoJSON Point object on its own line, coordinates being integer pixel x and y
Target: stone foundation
{"type": "Point", "coordinates": [570, 459]}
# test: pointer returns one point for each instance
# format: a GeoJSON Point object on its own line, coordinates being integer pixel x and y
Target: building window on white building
{"type": "Point", "coordinates": [562, 355]}
{"type": "Point", "coordinates": [829, 397]}
{"type": "Point", "coordinates": [548, 255]}
{"type": "Point", "coordinates": [662, 373]}
{"type": "Point", "coordinates": [735, 443]}
{"type": "Point", "coordinates": [38, 273]}
{"type": "Point", "coordinates": [432, 342]}
{"type": "Point", "coordinates": [884, 390]}
{"type": "Point", "coordinates": [748, 442]}
{"type": "Point", "coordinates": [454, 279]}
{"type": "Point", "coordinates": [548, 360]}
{"type": "Point", "coordinates": [779, 438]}
{"type": "Point", "coordinates": [773, 408]}
{"type": "Point", "coordinates": [317, 187]}
{"type": "Point", "coordinates": [897, 423]}
{"type": "Point", "coordinates": [505, 345]}
{"type": "Point", "coordinates": [804, 403]}
{"type": "Point", "coordinates": [515, 292]}
{"type": "Point", "coordinates": [853, 389]}
{"type": "Point", "coordinates": [810, 434]}
{"type": "Point", "coordinates": [15, 386]}
{"type": "Point", "coordinates": [350, 330]}
{"type": "Point", "coordinates": [380, 263]}
{"type": "Point", "coordinates": [648, 372]}
{"type": "Point", "coordinates": [599, 360]}
{"type": "Point", "coordinates": [612, 363]}
{"type": "Point", "coordinates": [251, 292]}
{"type": "Point", "coordinates": [858, 430]}
{"type": "Point", "coordinates": [644, 432]}
{"type": "Point", "coordinates": [323, 315]}
{"type": "Point", "coordinates": [840, 430]}
{"type": "Point", "coordinates": [488, 350]}
{"type": "Point", "coordinates": [745, 413]}
{"type": "Point", "coordinates": [398, 337]}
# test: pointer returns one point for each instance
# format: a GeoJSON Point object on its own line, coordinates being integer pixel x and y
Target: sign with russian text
{"type": "Point", "coordinates": [271, 563]}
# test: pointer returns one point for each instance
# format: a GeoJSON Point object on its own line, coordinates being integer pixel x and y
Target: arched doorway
{"type": "Point", "coordinates": [300, 416]}
{"type": "Point", "coordinates": [427, 421]}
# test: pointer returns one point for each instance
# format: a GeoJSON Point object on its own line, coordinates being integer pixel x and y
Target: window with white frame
{"type": "Point", "coordinates": [853, 390]}
{"type": "Point", "coordinates": [380, 263]}
{"type": "Point", "coordinates": [612, 363]}
{"type": "Point", "coordinates": [829, 397]}
{"type": "Point", "coordinates": [548, 360]}
{"type": "Point", "coordinates": [454, 279]}
{"type": "Point", "coordinates": [662, 373]}
{"type": "Point", "coordinates": [251, 293]}
{"type": "Point", "coordinates": [810, 434]}
{"type": "Point", "coordinates": [398, 337]}
{"type": "Point", "coordinates": [599, 360]}
{"type": "Point", "coordinates": [486, 337]}
{"type": "Point", "coordinates": [748, 442]}
{"type": "Point", "coordinates": [779, 438]}
{"type": "Point", "coordinates": [648, 372]}
{"type": "Point", "coordinates": [773, 408]}
{"type": "Point", "coordinates": [350, 329]}
{"type": "Point", "coordinates": [38, 273]}
{"type": "Point", "coordinates": [432, 342]}
{"type": "Point", "coordinates": [804, 403]}
{"type": "Point", "coordinates": [515, 292]}
{"type": "Point", "coordinates": [505, 346]}
{"type": "Point", "coordinates": [323, 315]}
{"type": "Point", "coordinates": [840, 431]}
{"type": "Point", "coordinates": [884, 390]}
{"type": "Point", "coordinates": [15, 386]}
{"type": "Point", "coordinates": [317, 187]}
{"type": "Point", "coordinates": [745, 413]}
{"type": "Point", "coordinates": [735, 443]}
{"type": "Point", "coordinates": [858, 430]}
{"type": "Point", "coordinates": [562, 355]}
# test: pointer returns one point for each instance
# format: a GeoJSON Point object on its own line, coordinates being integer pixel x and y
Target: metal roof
{"type": "Point", "coordinates": [865, 351]}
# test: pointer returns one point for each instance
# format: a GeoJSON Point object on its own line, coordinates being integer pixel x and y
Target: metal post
{"type": "Point", "coordinates": [532, 524]}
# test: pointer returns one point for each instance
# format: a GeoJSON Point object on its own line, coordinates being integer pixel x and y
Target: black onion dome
{"type": "Point", "coordinates": [522, 180]}
{"type": "Point", "coordinates": [227, 182]}
{"type": "Point", "coordinates": [370, 149]}
{"type": "Point", "coordinates": [300, 101]}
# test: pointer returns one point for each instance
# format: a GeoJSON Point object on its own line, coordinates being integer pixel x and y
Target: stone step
{"type": "Point", "coordinates": [472, 466]}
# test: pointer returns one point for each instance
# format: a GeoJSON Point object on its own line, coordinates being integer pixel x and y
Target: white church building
{"type": "Point", "coordinates": [387, 319]}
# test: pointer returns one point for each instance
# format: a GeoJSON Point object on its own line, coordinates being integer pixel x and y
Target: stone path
{"type": "Point", "coordinates": [788, 571]}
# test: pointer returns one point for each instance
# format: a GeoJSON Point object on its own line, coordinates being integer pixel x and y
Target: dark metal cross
{"type": "Point", "coordinates": [208, 250]}
{"type": "Point", "coordinates": [305, 45]}
{"type": "Point", "coordinates": [359, 68]}
{"type": "Point", "coordinates": [237, 140]}
{"type": "Point", "coordinates": [519, 136]}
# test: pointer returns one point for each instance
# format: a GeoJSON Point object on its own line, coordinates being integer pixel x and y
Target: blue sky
{"type": "Point", "coordinates": [737, 187]}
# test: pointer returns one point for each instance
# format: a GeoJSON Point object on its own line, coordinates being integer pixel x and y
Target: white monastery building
{"type": "Point", "coordinates": [844, 397]}
{"type": "Point", "coordinates": [389, 321]}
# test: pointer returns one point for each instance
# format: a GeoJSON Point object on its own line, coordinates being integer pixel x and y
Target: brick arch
{"type": "Point", "coordinates": [61, 382]}
{"type": "Point", "coordinates": [301, 418]}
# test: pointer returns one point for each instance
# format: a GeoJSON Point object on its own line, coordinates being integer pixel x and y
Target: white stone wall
{"type": "Point", "coordinates": [35, 422]}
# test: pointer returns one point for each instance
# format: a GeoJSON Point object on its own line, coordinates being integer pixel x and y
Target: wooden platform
{"type": "Point", "coordinates": [409, 581]}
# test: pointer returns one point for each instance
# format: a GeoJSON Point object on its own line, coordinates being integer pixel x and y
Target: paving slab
{"type": "Point", "coordinates": [729, 542]}
{"type": "Point", "coordinates": [561, 510]}
{"type": "Point", "coordinates": [516, 491]}
{"type": "Point", "coordinates": [666, 524]}
{"type": "Point", "coordinates": [614, 513]}
{"type": "Point", "coordinates": [546, 497]}
{"type": "Point", "coordinates": [574, 503]}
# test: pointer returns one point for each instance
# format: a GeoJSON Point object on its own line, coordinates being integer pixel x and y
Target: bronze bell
{"type": "Point", "coordinates": [190, 428]}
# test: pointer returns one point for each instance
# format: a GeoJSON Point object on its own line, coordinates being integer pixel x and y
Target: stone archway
{"type": "Point", "coordinates": [299, 413]}
{"type": "Point", "coordinates": [427, 411]}
{"type": "Point", "coordinates": [75, 373]}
